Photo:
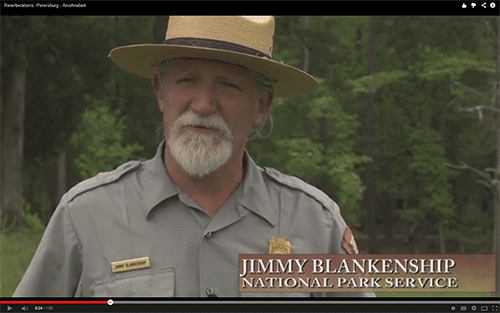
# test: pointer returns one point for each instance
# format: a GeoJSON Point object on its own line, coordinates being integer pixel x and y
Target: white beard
{"type": "Point", "coordinates": [197, 153]}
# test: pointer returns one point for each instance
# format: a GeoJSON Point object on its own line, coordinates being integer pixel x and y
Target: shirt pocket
{"type": "Point", "coordinates": [158, 283]}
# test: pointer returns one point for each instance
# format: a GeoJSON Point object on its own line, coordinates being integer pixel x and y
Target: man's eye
{"type": "Point", "coordinates": [229, 84]}
{"type": "Point", "coordinates": [186, 79]}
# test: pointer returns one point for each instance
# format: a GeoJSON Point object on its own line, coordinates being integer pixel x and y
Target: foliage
{"type": "Point", "coordinates": [302, 157]}
{"type": "Point", "coordinates": [428, 165]}
{"type": "Point", "coordinates": [65, 68]}
{"type": "Point", "coordinates": [373, 82]}
{"type": "Point", "coordinates": [472, 229]}
{"type": "Point", "coordinates": [345, 177]}
{"type": "Point", "coordinates": [17, 31]}
{"type": "Point", "coordinates": [55, 86]}
{"type": "Point", "coordinates": [32, 222]}
{"type": "Point", "coordinates": [325, 156]}
{"type": "Point", "coordinates": [423, 78]}
{"type": "Point", "coordinates": [422, 126]}
{"type": "Point", "coordinates": [453, 66]}
{"type": "Point", "coordinates": [435, 66]}
{"type": "Point", "coordinates": [99, 140]}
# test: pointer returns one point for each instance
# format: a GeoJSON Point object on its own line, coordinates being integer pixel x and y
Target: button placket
{"type": "Point", "coordinates": [209, 259]}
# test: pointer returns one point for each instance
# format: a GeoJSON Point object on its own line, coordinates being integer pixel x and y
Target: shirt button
{"type": "Point", "coordinates": [208, 235]}
{"type": "Point", "coordinates": [210, 291]}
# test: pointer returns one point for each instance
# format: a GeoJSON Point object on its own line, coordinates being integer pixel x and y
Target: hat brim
{"type": "Point", "coordinates": [142, 59]}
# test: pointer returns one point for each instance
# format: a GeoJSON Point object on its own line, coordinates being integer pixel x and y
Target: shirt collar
{"type": "Point", "coordinates": [255, 196]}
{"type": "Point", "coordinates": [158, 186]}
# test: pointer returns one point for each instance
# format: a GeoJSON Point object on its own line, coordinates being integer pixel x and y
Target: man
{"type": "Point", "coordinates": [175, 225]}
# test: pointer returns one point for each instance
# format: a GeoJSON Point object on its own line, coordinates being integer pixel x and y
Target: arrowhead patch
{"type": "Point", "coordinates": [348, 242]}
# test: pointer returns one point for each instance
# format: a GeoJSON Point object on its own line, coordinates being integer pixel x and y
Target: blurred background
{"type": "Point", "coordinates": [403, 132]}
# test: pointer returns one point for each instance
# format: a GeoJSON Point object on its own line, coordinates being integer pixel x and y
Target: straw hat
{"type": "Point", "coordinates": [241, 40]}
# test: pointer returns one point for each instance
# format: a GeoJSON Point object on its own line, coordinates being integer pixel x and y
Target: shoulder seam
{"type": "Point", "coordinates": [299, 184]}
{"type": "Point", "coordinates": [79, 243]}
{"type": "Point", "coordinates": [101, 179]}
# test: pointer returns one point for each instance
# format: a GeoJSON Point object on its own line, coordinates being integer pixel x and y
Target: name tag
{"type": "Point", "coordinates": [130, 265]}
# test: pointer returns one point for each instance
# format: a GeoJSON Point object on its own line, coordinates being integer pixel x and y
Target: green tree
{"type": "Point", "coordinates": [66, 68]}
{"type": "Point", "coordinates": [424, 81]}
{"type": "Point", "coordinates": [98, 144]}
{"type": "Point", "coordinates": [17, 36]}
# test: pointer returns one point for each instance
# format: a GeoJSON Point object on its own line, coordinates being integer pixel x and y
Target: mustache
{"type": "Point", "coordinates": [212, 121]}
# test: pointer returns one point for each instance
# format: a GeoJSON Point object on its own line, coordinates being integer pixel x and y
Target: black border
{"type": "Point", "coordinates": [414, 8]}
{"type": "Point", "coordinates": [264, 305]}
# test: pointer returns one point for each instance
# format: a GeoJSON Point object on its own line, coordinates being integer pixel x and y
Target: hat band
{"type": "Point", "coordinates": [214, 44]}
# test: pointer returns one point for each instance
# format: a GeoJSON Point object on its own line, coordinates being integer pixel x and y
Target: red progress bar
{"type": "Point", "coordinates": [52, 302]}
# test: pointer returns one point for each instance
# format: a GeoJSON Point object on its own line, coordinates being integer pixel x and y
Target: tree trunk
{"type": "Point", "coordinates": [323, 133]}
{"type": "Point", "coordinates": [160, 28]}
{"type": "Point", "coordinates": [388, 205]}
{"type": "Point", "coordinates": [323, 121]}
{"type": "Point", "coordinates": [12, 139]}
{"type": "Point", "coordinates": [61, 175]}
{"type": "Point", "coordinates": [370, 203]}
{"type": "Point", "coordinates": [307, 125]}
{"type": "Point", "coordinates": [442, 243]}
{"type": "Point", "coordinates": [306, 51]}
{"type": "Point", "coordinates": [357, 44]}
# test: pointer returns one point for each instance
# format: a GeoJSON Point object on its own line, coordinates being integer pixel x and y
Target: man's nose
{"type": "Point", "coordinates": [205, 101]}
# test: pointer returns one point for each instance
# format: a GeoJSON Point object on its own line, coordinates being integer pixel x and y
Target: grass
{"type": "Point", "coordinates": [16, 251]}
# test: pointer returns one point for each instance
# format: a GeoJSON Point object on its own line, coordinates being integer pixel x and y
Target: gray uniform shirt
{"type": "Point", "coordinates": [136, 211]}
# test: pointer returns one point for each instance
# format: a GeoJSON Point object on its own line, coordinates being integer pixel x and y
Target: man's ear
{"type": "Point", "coordinates": [264, 105]}
{"type": "Point", "coordinates": [155, 83]}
